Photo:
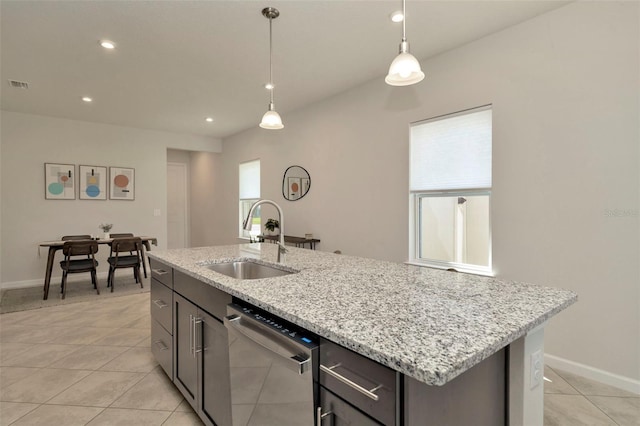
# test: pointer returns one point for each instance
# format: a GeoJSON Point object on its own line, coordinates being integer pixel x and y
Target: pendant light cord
{"type": "Point", "coordinates": [404, 21]}
{"type": "Point", "coordinates": [271, 60]}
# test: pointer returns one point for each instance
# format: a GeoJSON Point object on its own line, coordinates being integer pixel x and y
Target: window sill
{"type": "Point", "coordinates": [466, 269]}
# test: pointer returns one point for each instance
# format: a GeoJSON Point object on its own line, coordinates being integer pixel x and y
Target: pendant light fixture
{"type": "Point", "coordinates": [271, 119]}
{"type": "Point", "coordinates": [405, 68]}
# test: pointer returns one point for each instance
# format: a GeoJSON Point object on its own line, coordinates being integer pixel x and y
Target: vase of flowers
{"type": "Point", "coordinates": [106, 227]}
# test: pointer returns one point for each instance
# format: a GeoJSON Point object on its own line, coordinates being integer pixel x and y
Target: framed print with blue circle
{"type": "Point", "coordinates": [59, 181]}
{"type": "Point", "coordinates": [93, 182]}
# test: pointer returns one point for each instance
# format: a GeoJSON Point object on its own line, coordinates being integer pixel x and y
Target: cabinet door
{"type": "Point", "coordinates": [185, 365]}
{"type": "Point", "coordinates": [213, 349]}
{"type": "Point", "coordinates": [338, 412]}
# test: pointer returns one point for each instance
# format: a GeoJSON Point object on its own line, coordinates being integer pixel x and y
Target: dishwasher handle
{"type": "Point", "coordinates": [269, 340]}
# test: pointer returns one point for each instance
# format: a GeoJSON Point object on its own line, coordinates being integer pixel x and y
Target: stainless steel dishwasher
{"type": "Point", "coordinates": [273, 366]}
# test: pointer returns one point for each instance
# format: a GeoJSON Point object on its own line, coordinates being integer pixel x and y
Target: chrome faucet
{"type": "Point", "coordinates": [247, 225]}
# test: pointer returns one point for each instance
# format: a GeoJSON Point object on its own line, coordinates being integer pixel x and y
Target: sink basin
{"type": "Point", "coordinates": [246, 270]}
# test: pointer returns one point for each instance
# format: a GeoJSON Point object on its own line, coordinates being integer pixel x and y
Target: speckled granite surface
{"type": "Point", "coordinates": [429, 324]}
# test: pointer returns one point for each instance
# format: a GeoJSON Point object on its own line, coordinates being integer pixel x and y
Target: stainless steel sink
{"type": "Point", "coordinates": [247, 270]}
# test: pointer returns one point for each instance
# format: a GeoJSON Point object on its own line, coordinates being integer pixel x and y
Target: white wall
{"type": "Point", "coordinates": [564, 88]}
{"type": "Point", "coordinates": [206, 211]}
{"type": "Point", "coordinates": [28, 141]}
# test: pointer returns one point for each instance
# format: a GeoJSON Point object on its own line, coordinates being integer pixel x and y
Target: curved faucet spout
{"type": "Point", "coordinates": [247, 225]}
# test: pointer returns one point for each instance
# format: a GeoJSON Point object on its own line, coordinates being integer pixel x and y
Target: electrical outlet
{"type": "Point", "coordinates": [156, 212]}
{"type": "Point", "coordinates": [536, 367]}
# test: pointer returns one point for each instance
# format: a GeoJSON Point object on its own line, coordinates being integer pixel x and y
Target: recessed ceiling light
{"type": "Point", "coordinates": [397, 16]}
{"type": "Point", "coordinates": [107, 44]}
{"type": "Point", "coordinates": [87, 99]}
{"type": "Point", "coordinates": [208, 119]}
{"type": "Point", "coordinates": [269, 86]}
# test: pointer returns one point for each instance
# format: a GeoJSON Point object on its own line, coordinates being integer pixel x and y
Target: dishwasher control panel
{"type": "Point", "coordinates": [284, 327]}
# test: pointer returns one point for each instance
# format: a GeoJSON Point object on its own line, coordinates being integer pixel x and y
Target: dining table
{"type": "Point", "coordinates": [56, 245]}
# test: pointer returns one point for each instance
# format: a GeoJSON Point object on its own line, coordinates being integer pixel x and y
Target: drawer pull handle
{"type": "Point", "coordinates": [160, 271]}
{"type": "Point", "coordinates": [197, 338]}
{"type": "Point", "coordinates": [159, 303]}
{"type": "Point", "coordinates": [320, 416]}
{"type": "Point", "coordinates": [160, 344]}
{"type": "Point", "coordinates": [365, 392]}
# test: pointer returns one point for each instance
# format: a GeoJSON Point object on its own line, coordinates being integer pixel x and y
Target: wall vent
{"type": "Point", "coordinates": [19, 84]}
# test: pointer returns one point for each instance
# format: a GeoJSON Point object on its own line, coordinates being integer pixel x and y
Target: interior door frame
{"type": "Point", "coordinates": [187, 224]}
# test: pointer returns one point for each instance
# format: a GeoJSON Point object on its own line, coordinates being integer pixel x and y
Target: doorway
{"type": "Point", "coordinates": [177, 205]}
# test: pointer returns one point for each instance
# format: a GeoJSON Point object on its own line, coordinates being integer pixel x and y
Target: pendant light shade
{"type": "Point", "coordinates": [405, 68]}
{"type": "Point", "coordinates": [271, 119]}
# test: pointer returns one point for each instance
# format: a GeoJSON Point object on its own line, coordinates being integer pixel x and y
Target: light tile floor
{"type": "Point", "coordinates": [89, 363]}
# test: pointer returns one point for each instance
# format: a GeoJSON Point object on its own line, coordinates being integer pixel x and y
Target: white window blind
{"type": "Point", "coordinates": [452, 152]}
{"type": "Point", "coordinates": [250, 180]}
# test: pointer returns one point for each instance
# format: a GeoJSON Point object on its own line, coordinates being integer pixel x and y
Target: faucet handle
{"type": "Point", "coordinates": [281, 251]}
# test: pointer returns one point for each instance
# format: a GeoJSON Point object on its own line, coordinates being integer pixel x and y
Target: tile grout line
{"type": "Point", "coordinates": [586, 397]}
{"type": "Point", "coordinates": [598, 407]}
{"type": "Point", "coordinates": [30, 411]}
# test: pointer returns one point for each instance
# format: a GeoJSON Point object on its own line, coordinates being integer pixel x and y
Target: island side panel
{"type": "Point", "coordinates": [477, 397]}
{"type": "Point", "coordinates": [526, 399]}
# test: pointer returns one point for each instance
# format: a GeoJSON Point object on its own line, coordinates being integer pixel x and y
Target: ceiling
{"type": "Point", "coordinates": [177, 62]}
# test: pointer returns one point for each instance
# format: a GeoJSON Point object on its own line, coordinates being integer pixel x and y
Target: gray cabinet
{"type": "Point", "coordinates": [354, 380]}
{"type": "Point", "coordinates": [337, 412]}
{"type": "Point", "coordinates": [201, 348]}
{"type": "Point", "coordinates": [185, 362]}
{"type": "Point", "coordinates": [191, 344]}
{"type": "Point", "coordinates": [162, 315]}
{"type": "Point", "coordinates": [478, 397]}
{"type": "Point", "coordinates": [213, 371]}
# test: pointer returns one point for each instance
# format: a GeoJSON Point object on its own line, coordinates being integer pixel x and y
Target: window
{"type": "Point", "coordinates": [450, 191]}
{"type": "Point", "coordinates": [249, 179]}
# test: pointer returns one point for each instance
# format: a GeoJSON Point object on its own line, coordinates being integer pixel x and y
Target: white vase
{"type": "Point", "coordinates": [106, 236]}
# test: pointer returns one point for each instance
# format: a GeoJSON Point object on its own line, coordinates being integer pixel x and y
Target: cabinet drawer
{"type": "Point", "coordinates": [359, 380]}
{"type": "Point", "coordinates": [161, 272]}
{"type": "Point", "coordinates": [162, 347]}
{"type": "Point", "coordinates": [162, 305]}
{"type": "Point", "coordinates": [341, 412]}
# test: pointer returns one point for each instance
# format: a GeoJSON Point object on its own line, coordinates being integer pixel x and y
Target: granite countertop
{"type": "Point", "coordinates": [429, 324]}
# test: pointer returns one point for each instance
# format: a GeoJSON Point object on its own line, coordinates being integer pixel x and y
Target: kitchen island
{"type": "Point", "coordinates": [430, 325]}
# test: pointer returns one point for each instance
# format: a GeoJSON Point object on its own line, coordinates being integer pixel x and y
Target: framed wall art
{"type": "Point", "coordinates": [59, 181]}
{"type": "Point", "coordinates": [121, 183]}
{"type": "Point", "coordinates": [92, 182]}
{"type": "Point", "coordinates": [294, 188]}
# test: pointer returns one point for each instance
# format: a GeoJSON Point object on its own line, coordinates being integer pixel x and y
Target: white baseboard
{"type": "Point", "coordinates": [606, 377]}
{"type": "Point", "coordinates": [54, 281]}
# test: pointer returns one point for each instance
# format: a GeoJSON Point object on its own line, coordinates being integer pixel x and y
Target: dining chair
{"type": "Point", "coordinates": [72, 265]}
{"type": "Point", "coordinates": [132, 257]}
{"type": "Point", "coordinates": [144, 244]}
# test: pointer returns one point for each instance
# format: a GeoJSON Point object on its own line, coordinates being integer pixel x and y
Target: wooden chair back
{"type": "Point", "coordinates": [75, 237]}
{"type": "Point", "coordinates": [129, 245]}
{"type": "Point", "coordinates": [79, 247]}
{"type": "Point", "coordinates": [122, 235]}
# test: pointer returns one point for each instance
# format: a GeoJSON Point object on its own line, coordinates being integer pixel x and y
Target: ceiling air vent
{"type": "Point", "coordinates": [19, 84]}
